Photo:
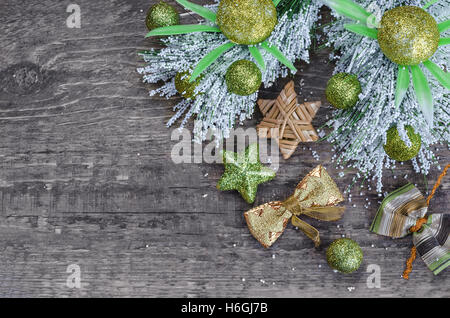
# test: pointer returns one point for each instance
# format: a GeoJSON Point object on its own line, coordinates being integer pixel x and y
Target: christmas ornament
{"type": "Point", "coordinates": [408, 35]}
{"type": "Point", "coordinates": [246, 21]}
{"type": "Point", "coordinates": [403, 212]}
{"type": "Point", "coordinates": [315, 196]}
{"type": "Point", "coordinates": [228, 18]}
{"type": "Point", "coordinates": [244, 172]}
{"type": "Point", "coordinates": [243, 78]}
{"type": "Point", "coordinates": [204, 47]}
{"type": "Point", "coordinates": [343, 90]}
{"type": "Point", "coordinates": [387, 99]}
{"type": "Point", "coordinates": [161, 15]}
{"type": "Point", "coordinates": [396, 148]}
{"type": "Point", "coordinates": [344, 255]}
{"type": "Point", "coordinates": [287, 121]}
{"type": "Point", "coordinates": [184, 87]}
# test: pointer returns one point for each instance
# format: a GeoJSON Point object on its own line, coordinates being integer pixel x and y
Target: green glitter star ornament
{"type": "Point", "coordinates": [244, 172]}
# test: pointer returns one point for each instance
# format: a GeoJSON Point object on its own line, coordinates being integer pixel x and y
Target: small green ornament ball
{"type": "Point", "coordinates": [343, 90]}
{"type": "Point", "coordinates": [243, 78]}
{"type": "Point", "coordinates": [184, 87]}
{"type": "Point", "coordinates": [161, 15]}
{"type": "Point", "coordinates": [344, 255]}
{"type": "Point", "coordinates": [396, 148]}
{"type": "Point", "coordinates": [247, 21]}
{"type": "Point", "coordinates": [408, 35]}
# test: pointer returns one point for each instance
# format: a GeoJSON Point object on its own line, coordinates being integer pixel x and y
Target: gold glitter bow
{"type": "Point", "coordinates": [315, 196]}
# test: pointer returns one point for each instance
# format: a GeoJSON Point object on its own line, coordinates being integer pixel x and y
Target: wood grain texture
{"type": "Point", "coordinates": [86, 178]}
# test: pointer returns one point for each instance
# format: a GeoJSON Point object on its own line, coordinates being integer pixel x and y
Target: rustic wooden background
{"type": "Point", "coordinates": [86, 178]}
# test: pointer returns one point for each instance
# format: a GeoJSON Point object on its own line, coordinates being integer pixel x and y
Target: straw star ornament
{"type": "Point", "coordinates": [287, 121]}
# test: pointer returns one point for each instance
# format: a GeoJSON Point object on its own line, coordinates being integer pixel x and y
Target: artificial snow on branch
{"type": "Point", "coordinates": [387, 98]}
{"type": "Point", "coordinates": [214, 107]}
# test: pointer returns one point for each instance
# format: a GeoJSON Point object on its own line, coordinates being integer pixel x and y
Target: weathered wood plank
{"type": "Point", "coordinates": [86, 178]}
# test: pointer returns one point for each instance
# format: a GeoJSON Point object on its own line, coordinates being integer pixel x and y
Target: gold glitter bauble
{"type": "Point", "coordinates": [408, 35]}
{"type": "Point", "coordinates": [344, 255]}
{"type": "Point", "coordinates": [396, 148]}
{"type": "Point", "coordinates": [161, 15]}
{"type": "Point", "coordinates": [247, 21]}
{"type": "Point", "coordinates": [243, 78]}
{"type": "Point", "coordinates": [184, 87]}
{"type": "Point", "coordinates": [343, 90]}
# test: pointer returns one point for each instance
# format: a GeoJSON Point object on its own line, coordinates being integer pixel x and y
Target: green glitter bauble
{"type": "Point", "coordinates": [408, 35]}
{"type": "Point", "coordinates": [247, 21]}
{"type": "Point", "coordinates": [396, 148]}
{"type": "Point", "coordinates": [343, 90]}
{"type": "Point", "coordinates": [161, 15]}
{"type": "Point", "coordinates": [344, 255]}
{"type": "Point", "coordinates": [243, 78]}
{"type": "Point", "coordinates": [184, 87]}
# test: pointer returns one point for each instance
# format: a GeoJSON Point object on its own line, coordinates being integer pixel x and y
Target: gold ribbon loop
{"type": "Point", "coordinates": [315, 196]}
{"type": "Point", "coordinates": [309, 230]}
{"type": "Point", "coordinates": [322, 213]}
{"type": "Point", "coordinates": [325, 213]}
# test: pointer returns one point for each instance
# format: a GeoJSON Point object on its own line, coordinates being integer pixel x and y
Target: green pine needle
{"type": "Point", "coordinates": [209, 58]}
{"type": "Point", "coordinates": [254, 51]}
{"type": "Point", "coordinates": [291, 7]}
{"type": "Point", "coordinates": [362, 30]}
{"type": "Point", "coordinates": [276, 2]}
{"type": "Point", "coordinates": [423, 93]}
{"type": "Point", "coordinates": [349, 9]}
{"type": "Point", "coordinates": [429, 4]}
{"type": "Point", "coordinates": [200, 10]}
{"type": "Point", "coordinates": [402, 84]}
{"type": "Point", "coordinates": [444, 26]}
{"type": "Point", "coordinates": [182, 29]}
{"type": "Point", "coordinates": [438, 73]}
{"type": "Point", "coordinates": [278, 55]}
{"type": "Point", "coordinates": [444, 41]}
